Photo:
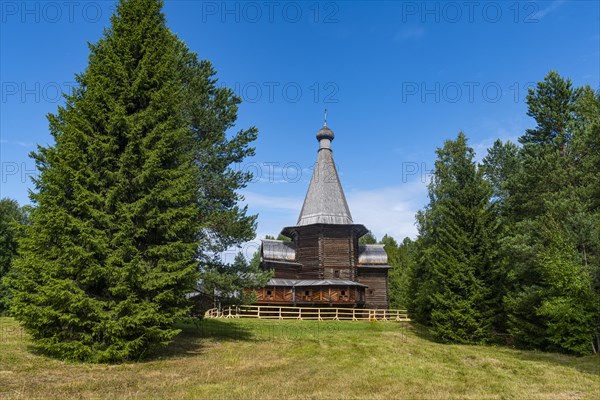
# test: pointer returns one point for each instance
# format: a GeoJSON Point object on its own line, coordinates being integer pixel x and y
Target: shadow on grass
{"type": "Point", "coordinates": [587, 364]}
{"type": "Point", "coordinates": [214, 329]}
{"type": "Point", "coordinates": [188, 343]}
{"type": "Point", "coordinates": [197, 334]}
{"type": "Point", "coordinates": [422, 332]}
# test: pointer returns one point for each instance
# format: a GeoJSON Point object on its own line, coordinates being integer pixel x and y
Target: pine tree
{"type": "Point", "coordinates": [546, 148]}
{"type": "Point", "coordinates": [456, 237]}
{"type": "Point", "coordinates": [550, 103]}
{"type": "Point", "coordinates": [553, 238]}
{"type": "Point", "coordinates": [136, 189]}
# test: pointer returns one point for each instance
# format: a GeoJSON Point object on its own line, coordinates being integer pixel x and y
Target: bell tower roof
{"type": "Point", "coordinates": [325, 202]}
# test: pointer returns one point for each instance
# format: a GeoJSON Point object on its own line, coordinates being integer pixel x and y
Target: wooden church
{"type": "Point", "coordinates": [323, 264]}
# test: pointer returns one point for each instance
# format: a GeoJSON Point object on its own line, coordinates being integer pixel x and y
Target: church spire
{"type": "Point", "coordinates": [325, 202]}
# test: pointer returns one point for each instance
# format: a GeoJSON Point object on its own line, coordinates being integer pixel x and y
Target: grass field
{"type": "Point", "coordinates": [301, 359]}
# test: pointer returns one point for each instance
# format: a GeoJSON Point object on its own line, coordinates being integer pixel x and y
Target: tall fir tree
{"type": "Point", "coordinates": [135, 191]}
{"type": "Point", "coordinates": [456, 229]}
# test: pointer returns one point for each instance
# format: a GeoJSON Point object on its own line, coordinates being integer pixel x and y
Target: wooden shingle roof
{"type": "Point", "coordinates": [325, 202]}
{"type": "Point", "coordinates": [278, 250]}
{"type": "Point", "coordinates": [372, 254]}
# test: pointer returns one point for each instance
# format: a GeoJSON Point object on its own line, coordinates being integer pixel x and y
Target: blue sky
{"type": "Point", "coordinates": [398, 78]}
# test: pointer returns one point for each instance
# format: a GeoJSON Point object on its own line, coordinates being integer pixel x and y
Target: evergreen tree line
{"type": "Point", "coordinates": [510, 247]}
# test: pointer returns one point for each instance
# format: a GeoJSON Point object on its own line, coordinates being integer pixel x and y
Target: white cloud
{"type": "Point", "coordinates": [389, 210]}
{"type": "Point", "coordinates": [274, 212]}
{"type": "Point", "coordinates": [17, 143]}
{"type": "Point", "coordinates": [261, 201]}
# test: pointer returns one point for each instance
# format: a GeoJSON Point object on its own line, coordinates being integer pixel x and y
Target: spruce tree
{"type": "Point", "coordinates": [136, 189]}
{"type": "Point", "coordinates": [500, 165]}
{"type": "Point", "coordinates": [456, 233]}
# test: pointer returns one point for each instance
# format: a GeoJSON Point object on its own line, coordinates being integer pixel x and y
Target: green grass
{"type": "Point", "coordinates": [301, 359]}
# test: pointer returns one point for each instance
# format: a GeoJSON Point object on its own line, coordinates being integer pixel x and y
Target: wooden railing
{"type": "Point", "coordinates": [310, 313]}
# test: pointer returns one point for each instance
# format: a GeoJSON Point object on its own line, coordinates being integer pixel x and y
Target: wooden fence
{"type": "Point", "coordinates": [309, 313]}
